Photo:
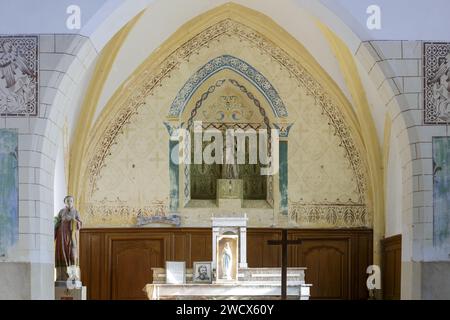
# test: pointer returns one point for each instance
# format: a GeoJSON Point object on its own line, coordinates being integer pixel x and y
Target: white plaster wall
{"type": "Point", "coordinates": [395, 67]}
{"type": "Point", "coordinates": [48, 16]}
{"type": "Point", "coordinates": [60, 183]}
{"type": "Point", "coordinates": [63, 62]}
{"type": "Point", "coordinates": [376, 106]}
{"type": "Point", "coordinates": [436, 281]}
{"type": "Point", "coordinates": [393, 192]}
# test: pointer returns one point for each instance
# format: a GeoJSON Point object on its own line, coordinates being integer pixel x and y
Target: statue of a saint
{"type": "Point", "coordinates": [227, 260]}
{"type": "Point", "coordinates": [67, 226]}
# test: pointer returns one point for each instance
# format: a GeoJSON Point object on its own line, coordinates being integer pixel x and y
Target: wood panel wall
{"type": "Point", "coordinates": [116, 263]}
{"type": "Point", "coordinates": [391, 265]}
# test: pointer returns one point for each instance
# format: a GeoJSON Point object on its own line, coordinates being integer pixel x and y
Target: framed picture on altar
{"type": "Point", "coordinates": [175, 272]}
{"type": "Point", "coordinates": [227, 258]}
{"type": "Point", "coordinates": [202, 272]}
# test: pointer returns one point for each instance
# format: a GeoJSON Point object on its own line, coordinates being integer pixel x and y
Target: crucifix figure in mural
{"type": "Point", "coordinates": [230, 169]}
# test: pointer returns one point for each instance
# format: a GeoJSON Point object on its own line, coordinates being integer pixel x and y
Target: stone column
{"type": "Point", "coordinates": [215, 234]}
{"type": "Point", "coordinates": [243, 247]}
{"type": "Point", "coordinates": [284, 129]}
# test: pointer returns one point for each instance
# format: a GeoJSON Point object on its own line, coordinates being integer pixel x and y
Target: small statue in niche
{"type": "Point", "coordinates": [227, 260]}
{"type": "Point", "coordinates": [67, 226]}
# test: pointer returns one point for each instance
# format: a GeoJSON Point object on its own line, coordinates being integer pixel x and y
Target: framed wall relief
{"type": "Point", "coordinates": [436, 70]}
{"type": "Point", "coordinates": [202, 272]}
{"type": "Point", "coordinates": [19, 56]}
{"type": "Point", "coordinates": [227, 257]}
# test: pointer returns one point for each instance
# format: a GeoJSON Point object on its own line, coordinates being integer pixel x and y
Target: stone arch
{"type": "Point", "coordinates": [240, 67]}
{"type": "Point", "coordinates": [406, 132]}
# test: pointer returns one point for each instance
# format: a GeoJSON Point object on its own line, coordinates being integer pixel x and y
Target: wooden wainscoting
{"type": "Point", "coordinates": [391, 266]}
{"type": "Point", "coordinates": [336, 260]}
{"type": "Point", "coordinates": [116, 263]}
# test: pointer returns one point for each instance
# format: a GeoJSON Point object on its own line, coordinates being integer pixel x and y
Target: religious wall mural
{"type": "Point", "coordinates": [245, 81]}
{"type": "Point", "coordinates": [19, 65]}
{"type": "Point", "coordinates": [9, 189]}
{"type": "Point", "coordinates": [436, 83]}
{"type": "Point", "coordinates": [441, 190]}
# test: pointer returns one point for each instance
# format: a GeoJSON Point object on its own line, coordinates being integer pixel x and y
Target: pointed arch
{"type": "Point", "coordinates": [267, 36]}
{"type": "Point", "coordinates": [237, 65]}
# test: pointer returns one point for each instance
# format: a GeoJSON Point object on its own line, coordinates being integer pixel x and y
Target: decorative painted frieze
{"type": "Point", "coordinates": [237, 65]}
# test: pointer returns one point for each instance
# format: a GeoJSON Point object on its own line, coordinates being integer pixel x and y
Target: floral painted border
{"type": "Point", "coordinates": [237, 65]}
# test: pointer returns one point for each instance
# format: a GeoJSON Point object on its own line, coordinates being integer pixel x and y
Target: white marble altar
{"type": "Point", "coordinates": [223, 291]}
{"type": "Point", "coordinates": [254, 283]}
{"type": "Point", "coordinates": [247, 283]}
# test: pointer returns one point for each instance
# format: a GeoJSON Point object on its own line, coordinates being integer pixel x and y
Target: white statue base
{"type": "Point", "coordinates": [63, 293]}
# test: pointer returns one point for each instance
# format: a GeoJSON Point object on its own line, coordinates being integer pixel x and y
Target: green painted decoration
{"type": "Point", "coordinates": [174, 175]}
{"type": "Point", "coordinates": [283, 152]}
{"type": "Point", "coordinates": [9, 189]}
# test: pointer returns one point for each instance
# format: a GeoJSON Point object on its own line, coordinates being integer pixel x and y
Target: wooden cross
{"type": "Point", "coordinates": [284, 242]}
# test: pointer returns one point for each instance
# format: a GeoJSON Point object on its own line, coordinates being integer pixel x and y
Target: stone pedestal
{"type": "Point", "coordinates": [63, 293]}
{"type": "Point", "coordinates": [225, 291]}
{"type": "Point", "coordinates": [254, 283]}
{"type": "Point", "coordinates": [230, 193]}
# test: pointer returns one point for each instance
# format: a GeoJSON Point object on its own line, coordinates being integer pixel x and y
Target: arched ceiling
{"type": "Point", "coordinates": [304, 38]}
{"type": "Point", "coordinates": [246, 44]}
{"type": "Point", "coordinates": [160, 21]}
{"type": "Point", "coordinates": [226, 30]}
{"type": "Point", "coordinates": [48, 16]}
